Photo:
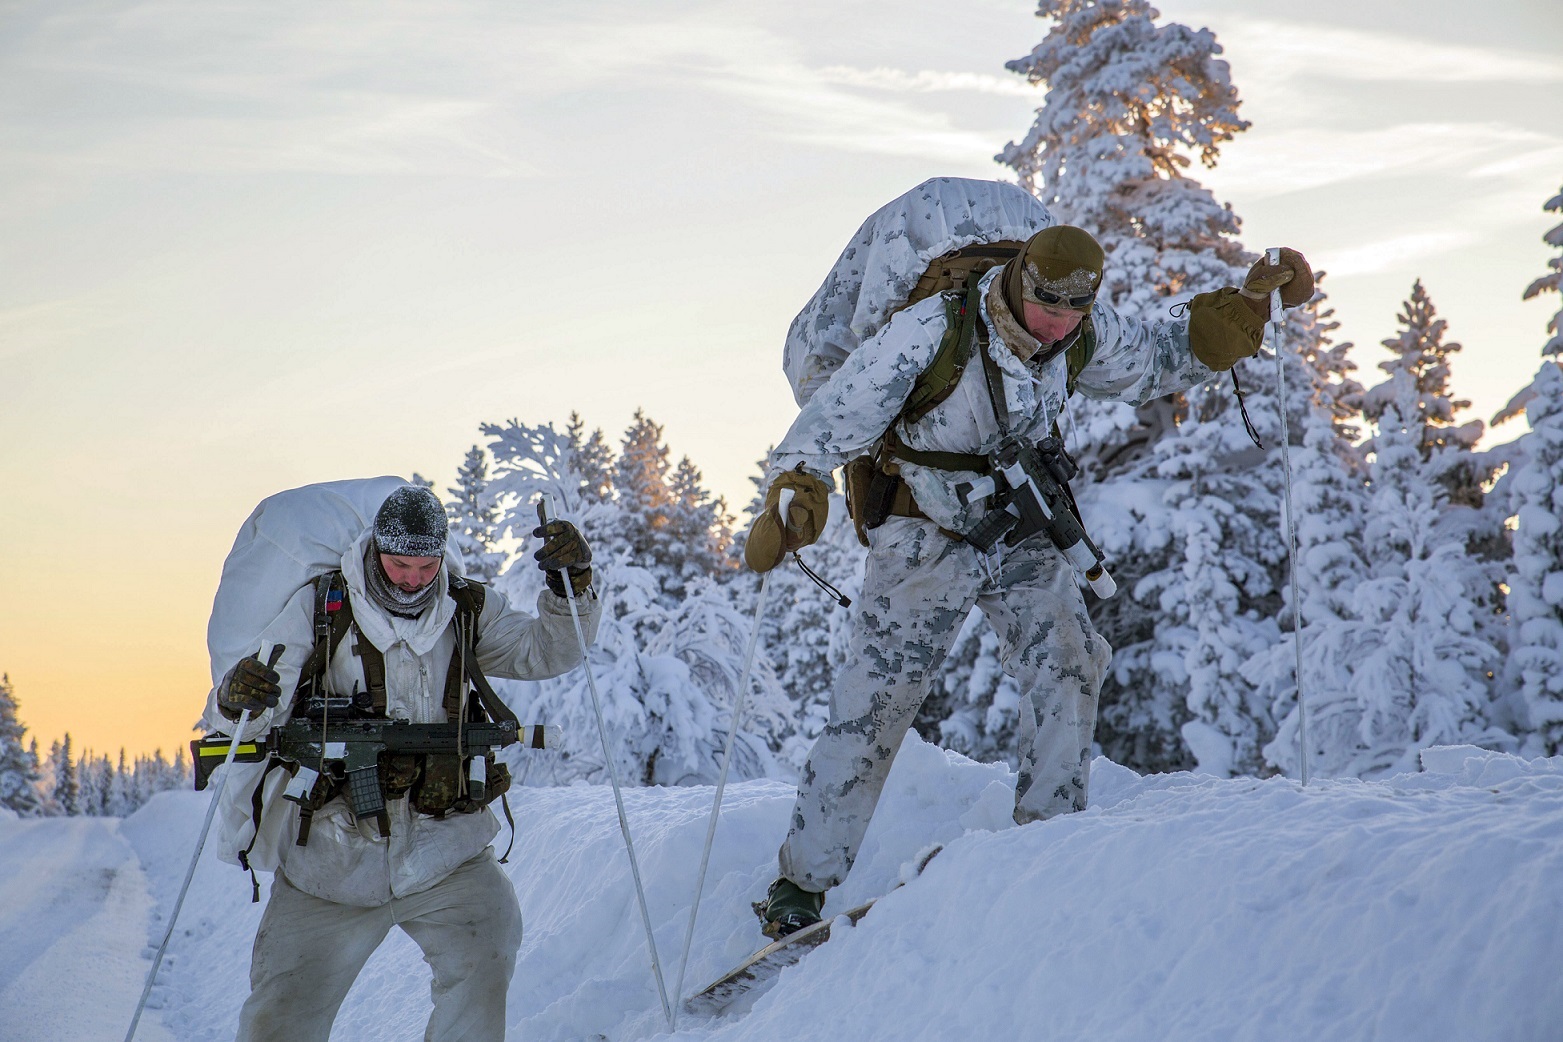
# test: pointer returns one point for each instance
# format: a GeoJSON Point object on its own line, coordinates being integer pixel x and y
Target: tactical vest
{"type": "Point", "coordinates": [875, 490]}
{"type": "Point", "coordinates": [433, 782]}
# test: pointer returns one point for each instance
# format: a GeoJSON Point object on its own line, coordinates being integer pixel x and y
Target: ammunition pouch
{"type": "Point", "coordinates": [398, 773]}
{"type": "Point", "coordinates": [438, 789]}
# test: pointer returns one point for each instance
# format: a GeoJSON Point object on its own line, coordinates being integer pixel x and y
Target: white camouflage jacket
{"type": "Point", "coordinates": [348, 861]}
{"type": "Point", "coordinates": [1134, 362]}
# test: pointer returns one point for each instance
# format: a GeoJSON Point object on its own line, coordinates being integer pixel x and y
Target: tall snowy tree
{"type": "Point", "coordinates": [64, 787]}
{"type": "Point", "coordinates": [474, 518]}
{"type": "Point", "coordinates": [1406, 665]}
{"type": "Point", "coordinates": [1130, 106]}
{"type": "Point", "coordinates": [670, 645]}
{"type": "Point", "coordinates": [1536, 578]}
{"type": "Point", "coordinates": [18, 767]}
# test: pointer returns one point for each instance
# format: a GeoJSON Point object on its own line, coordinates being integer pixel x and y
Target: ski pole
{"type": "Point", "coordinates": [200, 843]}
{"type": "Point", "coordinates": [545, 510]}
{"type": "Point", "coordinates": [1273, 255]}
{"type": "Point", "coordinates": [784, 501]}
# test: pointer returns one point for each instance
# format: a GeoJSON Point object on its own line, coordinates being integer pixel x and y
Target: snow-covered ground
{"type": "Point", "coordinates": [1427, 906]}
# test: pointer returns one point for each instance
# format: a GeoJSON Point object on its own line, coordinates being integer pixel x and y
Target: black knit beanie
{"type": "Point", "coordinates": [411, 523]}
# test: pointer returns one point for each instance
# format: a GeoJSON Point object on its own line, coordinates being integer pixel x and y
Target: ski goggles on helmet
{"type": "Point", "coordinates": [1054, 299]}
{"type": "Point", "coordinates": [1075, 291]}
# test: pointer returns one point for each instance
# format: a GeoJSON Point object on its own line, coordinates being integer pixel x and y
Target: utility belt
{"type": "Point", "coordinates": [876, 491]}
{"type": "Point", "coordinates": [1022, 487]}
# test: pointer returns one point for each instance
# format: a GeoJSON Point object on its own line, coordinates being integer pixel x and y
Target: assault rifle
{"type": "Point", "coordinates": [1030, 484]}
{"type": "Point", "coordinates": [351, 752]}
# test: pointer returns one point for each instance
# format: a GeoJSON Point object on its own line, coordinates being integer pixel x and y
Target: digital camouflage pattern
{"type": "Point", "coordinates": [920, 584]}
{"type": "Point", "coordinates": [919, 587]}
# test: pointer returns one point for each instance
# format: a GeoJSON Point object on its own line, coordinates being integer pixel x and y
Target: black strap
{"type": "Point", "coordinates": [255, 820]}
{"type": "Point", "coordinates": [995, 381]}
{"type": "Point", "coordinates": [504, 801]}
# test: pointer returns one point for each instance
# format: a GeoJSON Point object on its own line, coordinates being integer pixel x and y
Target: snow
{"type": "Point", "coordinates": [1421, 906]}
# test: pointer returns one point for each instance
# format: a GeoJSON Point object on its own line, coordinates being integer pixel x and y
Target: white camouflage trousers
{"type": "Point", "coordinates": [308, 952]}
{"type": "Point", "coordinates": [918, 588]}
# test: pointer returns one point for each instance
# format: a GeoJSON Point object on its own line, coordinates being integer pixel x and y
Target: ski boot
{"type": "Point", "coordinates": [788, 908]}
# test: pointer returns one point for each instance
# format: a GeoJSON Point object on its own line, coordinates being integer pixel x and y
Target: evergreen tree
{"type": "Point", "coordinates": [1406, 665]}
{"type": "Point", "coordinates": [670, 644]}
{"type": "Point", "coordinates": [18, 767]}
{"type": "Point", "coordinates": [65, 791]}
{"type": "Point", "coordinates": [1129, 104]}
{"type": "Point", "coordinates": [592, 458]}
{"type": "Point", "coordinates": [1536, 576]}
{"type": "Point", "coordinates": [474, 518]}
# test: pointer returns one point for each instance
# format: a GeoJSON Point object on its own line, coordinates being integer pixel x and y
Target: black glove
{"type": "Point", "coordinates": [563, 548]}
{"type": "Point", "coordinates": [251, 685]}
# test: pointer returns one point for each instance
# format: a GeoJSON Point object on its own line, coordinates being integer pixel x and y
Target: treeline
{"type": "Point", "coordinates": [64, 782]}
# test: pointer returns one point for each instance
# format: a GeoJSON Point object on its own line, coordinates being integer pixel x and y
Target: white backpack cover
{"type": "Point", "coordinates": [880, 266]}
{"type": "Point", "coordinates": [288, 540]}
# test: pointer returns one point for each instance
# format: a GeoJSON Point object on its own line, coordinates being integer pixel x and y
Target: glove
{"type": "Point", "coordinates": [1291, 274]}
{"type": "Point", "coordinates": [563, 548]}
{"type": "Point", "coordinates": [251, 685]}
{"type": "Point", "coordinates": [1222, 331]}
{"type": "Point", "coordinates": [769, 540]}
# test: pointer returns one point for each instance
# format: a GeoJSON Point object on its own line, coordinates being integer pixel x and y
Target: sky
{"type": "Point", "coordinates": [247, 246]}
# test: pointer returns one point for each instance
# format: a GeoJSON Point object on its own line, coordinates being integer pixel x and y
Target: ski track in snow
{"type": "Point", "coordinates": [1177, 907]}
{"type": "Point", "coordinates": [74, 919]}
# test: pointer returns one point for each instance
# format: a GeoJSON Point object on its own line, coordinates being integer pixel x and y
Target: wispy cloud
{"type": "Point", "coordinates": [1277, 48]}
{"type": "Point", "coordinates": [1274, 163]}
{"type": "Point", "coordinates": [1388, 254]}
{"type": "Point", "coordinates": [927, 81]}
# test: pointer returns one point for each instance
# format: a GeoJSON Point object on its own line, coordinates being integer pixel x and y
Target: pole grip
{"type": "Point", "coordinates": [1273, 255]}
{"type": "Point", "coordinates": [784, 507]}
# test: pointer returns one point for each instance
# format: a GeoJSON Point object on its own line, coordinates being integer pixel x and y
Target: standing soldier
{"type": "Point", "coordinates": [921, 434]}
{"type": "Point", "coordinates": [424, 863]}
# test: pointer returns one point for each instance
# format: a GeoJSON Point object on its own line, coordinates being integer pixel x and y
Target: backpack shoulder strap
{"type": "Point", "coordinates": [937, 382]}
{"type": "Point", "coordinates": [1079, 355]}
{"type": "Point", "coordinates": [470, 596]}
{"type": "Point", "coordinates": [333, 616]}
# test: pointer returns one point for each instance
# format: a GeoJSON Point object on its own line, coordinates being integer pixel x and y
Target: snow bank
{"type": "Point", "coordinates": [1424, 906]}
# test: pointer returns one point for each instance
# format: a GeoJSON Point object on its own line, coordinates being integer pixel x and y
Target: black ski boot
{"type": "Point", "coordinates": [788, 908]}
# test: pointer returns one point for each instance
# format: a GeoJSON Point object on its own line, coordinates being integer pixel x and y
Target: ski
{"type": "Point", "coordinates": [761, 968]}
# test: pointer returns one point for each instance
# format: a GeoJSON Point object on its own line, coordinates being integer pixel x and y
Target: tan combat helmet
{"type": "Point", "coordinates": [1060, 267]}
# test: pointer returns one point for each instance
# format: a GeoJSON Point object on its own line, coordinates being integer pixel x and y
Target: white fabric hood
{"type": "Point", "coordinates": [881, 264]}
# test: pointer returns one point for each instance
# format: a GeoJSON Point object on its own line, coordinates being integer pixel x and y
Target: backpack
{"type": "Point", "coordinates": [925, 241]}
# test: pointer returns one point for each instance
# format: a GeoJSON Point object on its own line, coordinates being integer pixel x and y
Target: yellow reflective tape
{"type": "Point", "coordinates": [222, 750]}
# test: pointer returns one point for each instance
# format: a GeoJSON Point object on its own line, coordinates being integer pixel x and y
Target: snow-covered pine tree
{"type": "Point", "coordinates": [1552, 282]}
{"type": "Point", "coordinates": [1129, 106]}
{"type": "Point", "coordinates": [1531, 490]}
{"type": "Point", "coordinates": [18, 767]}
{"type": "Point", "coordinates": [670, 645]}
{"type": "Point", "coordinates": [474, 518]}
{"type": "Point", "coordinates": [592, 458]}
{"type": "Point", "coordinates": [64, 789]}
{"type": "Point", "coordinates": [1535, 597]}
{"type": "Point", "coordinates": [1411, 662]}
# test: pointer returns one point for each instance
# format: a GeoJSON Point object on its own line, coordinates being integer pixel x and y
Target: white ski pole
{"type": "Point", "coordinates": [784, 501]}
{"type": "Point", "coordinates": [200, 843]}
{"type": "Point", "coordinates": [545, 513]}
{"type": "Point", "coordinates": [1277, 317]}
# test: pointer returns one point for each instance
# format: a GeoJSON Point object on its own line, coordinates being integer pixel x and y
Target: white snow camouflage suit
{"type": "Point", "coordinates": [920, 584]}
{"type": "Point", "coordinates": [333, 900]}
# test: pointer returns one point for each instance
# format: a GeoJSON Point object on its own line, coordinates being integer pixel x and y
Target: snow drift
{"type": "Point", "coordinates": [1424, 906]}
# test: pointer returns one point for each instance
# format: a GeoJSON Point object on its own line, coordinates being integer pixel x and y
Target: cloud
{"type": "Point", "coordinates": [1387, 254]}
{"type": "Point", "coordinates": [927, 81]}
{"type": "Point", "coordinates": [1274, 163]}
{"type": "Point", "coordinates": [1290, 49]}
